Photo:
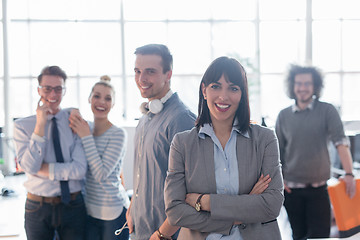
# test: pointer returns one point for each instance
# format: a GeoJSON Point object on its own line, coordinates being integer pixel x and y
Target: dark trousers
{"type": "Point", "coordinates": [97, 229]}
{"type": "Point", "coordinates": [42, 219]}
{"type": "Point", "coordinates": [309, 212]}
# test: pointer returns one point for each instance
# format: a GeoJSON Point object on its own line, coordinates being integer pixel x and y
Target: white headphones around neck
{"type": "Point", "coordinates": [155, 106]}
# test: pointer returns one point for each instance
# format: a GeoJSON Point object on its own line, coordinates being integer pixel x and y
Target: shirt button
{"type": "Point", "coordinates": [224, 169]}
{"type": "Point", "coordinates": [136, 195]}
{"type": "Point", "coordinates": [138, 175]}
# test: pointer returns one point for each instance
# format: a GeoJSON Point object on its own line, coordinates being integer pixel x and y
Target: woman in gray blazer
{"type": "Point", "coordinates": [224, 178]}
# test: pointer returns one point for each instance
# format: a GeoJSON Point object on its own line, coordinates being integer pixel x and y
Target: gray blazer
{"type": "Point", "coordinates": [192, 170]}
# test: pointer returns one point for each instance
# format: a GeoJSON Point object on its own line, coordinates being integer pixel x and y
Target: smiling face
{"type": "Point", "coordinates": [149, 77]}
{"type": "Point", "coordinates": [53, 98]}
{"type": "Point", "coordinates": [101, 100]}
{"type": "Point", "coordinates": [223, 99]}
{"type": "Point", "coordinates": [303, 88]}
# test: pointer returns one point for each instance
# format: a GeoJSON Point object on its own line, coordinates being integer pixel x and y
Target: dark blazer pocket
{"type": "Point", "coordinates": [274, 220]}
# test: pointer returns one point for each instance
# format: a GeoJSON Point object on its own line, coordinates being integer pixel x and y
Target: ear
{"type": "Point", "coordinates": [203, 89]}
{"type": "Point", "coordinates": [38, 89]}
{"type": "Point", "coordinates": [168, 75]}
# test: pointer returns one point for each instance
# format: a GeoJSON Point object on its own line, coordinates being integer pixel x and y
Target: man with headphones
{"type": "Point", "coordinates": [164, 116]}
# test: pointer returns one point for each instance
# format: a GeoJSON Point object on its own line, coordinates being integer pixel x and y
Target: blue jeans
{"type": "Point", "coordinates": [309, 212]}
{"type": "Point", "coordinates": [42, 219]}
{"type": "Point", "coordinates": [97, 229]}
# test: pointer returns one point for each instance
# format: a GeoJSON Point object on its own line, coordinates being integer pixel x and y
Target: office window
{"type": "Point", "coordinates": [91, 38]}
{"type": "Point", "coordinates": [282, 9]}
{"type": "Point", "coordinates": [351, 46]}
{"type": "Point", "coordinates": [327, 45]}
{"type": "Point", "coordinates": [281, 43]}
{"type": "Point", "coordinates": [351, 99]}
{"type": "Point", "coordinates": [1, 54]}
{"type": "Point", "coordinates": [331, 93]}
{"type": "Point", "coordinates": [235, 39]}
{"type": "Point", "coordinates": [335, 51]}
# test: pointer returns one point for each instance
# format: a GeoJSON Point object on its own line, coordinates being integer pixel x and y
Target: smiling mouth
{"type": "Point", "coordinates": [222, 106]}
{"type": "Point", "coordinates": [303, 93]}
{"type": "Point", "coordinates": [51, 101]}
{"type": "Point", "coordinates": [100, 108]}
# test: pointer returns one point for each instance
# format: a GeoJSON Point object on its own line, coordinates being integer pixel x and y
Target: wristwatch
{"type": "Point", "coordinates": [162, 236]}
{"type": "Point", "coordinates": [198, 204]}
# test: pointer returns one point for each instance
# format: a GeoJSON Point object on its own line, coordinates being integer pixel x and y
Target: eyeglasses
{"type": "Point", "coordinates": [48, 89]}
{"type": "Point", "coordinates": [305, 84]}
{"type": "Point", "coordinates": [118, 232]}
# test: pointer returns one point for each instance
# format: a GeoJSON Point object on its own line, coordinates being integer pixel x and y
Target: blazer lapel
{"type": "Point", "coordinates": [208, 163]}
{"type": "Point", "coordinates": [243, 150]}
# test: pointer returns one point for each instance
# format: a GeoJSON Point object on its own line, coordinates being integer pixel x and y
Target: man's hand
{"type": "Point", "coordinates": [44, 170]}
{"type": "Point", "coordinates": [42, 111]}
{"type": "Point", "coordinates": [287, 189]}
{"type": "Point", "coordinates": [350, 185]}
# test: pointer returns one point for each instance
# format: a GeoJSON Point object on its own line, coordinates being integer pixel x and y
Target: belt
{"type": "Point", "coordinates": [52, 200]}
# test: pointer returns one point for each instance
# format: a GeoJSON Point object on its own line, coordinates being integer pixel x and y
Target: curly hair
{"type": "Point", "coordinates": [294, 70]}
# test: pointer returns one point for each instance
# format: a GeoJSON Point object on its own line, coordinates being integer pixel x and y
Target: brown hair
{"type": "Point", "coordinates": [52, 71]}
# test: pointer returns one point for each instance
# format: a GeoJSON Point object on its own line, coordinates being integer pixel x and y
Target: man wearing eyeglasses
{"type": "Point", "coordinates": [54, 161]}
{"type": "Point", "coordinates": [304, 130]}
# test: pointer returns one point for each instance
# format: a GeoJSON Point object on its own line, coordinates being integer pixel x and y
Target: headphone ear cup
{"type": "Point", "coordinates": [155, 106]}
{"type": "Point", "coordinates": [143, 108]}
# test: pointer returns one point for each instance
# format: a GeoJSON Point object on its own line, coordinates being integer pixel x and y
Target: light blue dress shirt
{"type": "Point", "coordinates": [153, 137]}
{"type": "Point", "coordinates": [226, 171]}
{"type": "Point", "coordinates": [33, 150]}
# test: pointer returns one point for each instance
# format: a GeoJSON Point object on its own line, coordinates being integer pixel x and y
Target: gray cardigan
{"type": "Point", "coordinates": [192, 170]}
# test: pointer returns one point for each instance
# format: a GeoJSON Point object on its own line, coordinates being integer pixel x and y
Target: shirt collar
{"type": "Point", "coordinates": [58, 115]}
{"type": "Point", "coordinates": [207, 129]}
{"type": "Point", "coordinates": [295, 107]}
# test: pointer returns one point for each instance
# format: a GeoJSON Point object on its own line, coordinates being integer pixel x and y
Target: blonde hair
{"type": "Point", "coordinates": [105, 78]}
{"type": "Point", "coordinates": [104, 81]}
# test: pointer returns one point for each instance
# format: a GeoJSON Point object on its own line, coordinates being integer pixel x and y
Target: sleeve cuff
{"type": "Point", "coordinates": [38, 138]}
{"type": "Point", "coordinates": [86, 137]}
{"type": "Point", "coordinates": [51, 171]}
{"type": "Point", "coordinates": [345, 141]}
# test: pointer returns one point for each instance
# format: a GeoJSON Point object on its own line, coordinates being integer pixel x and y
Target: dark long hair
{"type": "Point", "coordinates": [235, 73]}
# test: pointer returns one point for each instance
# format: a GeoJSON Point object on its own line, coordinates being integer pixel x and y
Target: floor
{"type": "Point", "coordinates": [12, 212]}
{"type": "Point", "coordinates": [12, 208]}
